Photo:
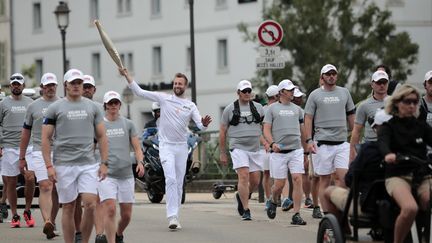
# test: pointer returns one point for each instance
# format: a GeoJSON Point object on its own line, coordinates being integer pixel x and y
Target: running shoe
{"type": "Point", "coordinates": [240, 208]}
{"type": "Point", "coordinates": [4, 210]}
{"type": "Point", "coordinates": [173, 223]}
{"type": "Point", "coordinates": [28, 218]}
{"type": "Point", "coordinates": [316, 213]}
{"type": "Point", "coordinates": [78, 237]}
{"type": "Point", "coordinates": [15, 223]}
{"type": "Point", "coordinates": [247, 215]}
{"type": "Point", "coordinates": [268, 204]}
{"type": "Point", "coordinates": [101, 238]}
{"type": "Point", "coordinates": [308, 203]}
{"type": "Point", "coordinates": [297, 219]}
{"type": "Point", "coordinates": [287, 204]}
{"type": "Point", "coordinates": [119, 239]}
{"type": "Point", "coordinates": [271, 211]}
{"type": "Point", "coordinates": [48, 230]}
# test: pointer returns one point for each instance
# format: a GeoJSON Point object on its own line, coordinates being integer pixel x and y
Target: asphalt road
{"type": "Point", "coordinates": [203, 219]}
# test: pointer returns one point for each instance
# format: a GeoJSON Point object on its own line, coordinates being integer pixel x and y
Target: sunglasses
{"type": "Point", "coordinates": [381, 82]}
{"type": "Point", "coordinates": [246, 91]}
{"type": "Point", "coordinates": [410, 101]}
{"type": "Point", "coordinates": [331, 73]}
{"type": "Point", "coordinates": [113, 102]}
{"type": "Point", "coordinates": [16, 78]}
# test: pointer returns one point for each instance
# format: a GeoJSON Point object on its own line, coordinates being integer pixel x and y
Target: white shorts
{"type": "Point", "coordinates": [37, 165]}
{"type": "Point", "coordinates": [252, 160]}
{"type": "Point", "coordinates": [280, 163]}
{"type": "Point", "coordinates": [10, 161]}
{"type": "Point", "coordinates": [328, 158]}
{"type": "Point", "coordinates": [75, 179]}
{"type": "Point", "coordinates": [122, 190]}
{"type": "Point", "coordinates": [266, 159]}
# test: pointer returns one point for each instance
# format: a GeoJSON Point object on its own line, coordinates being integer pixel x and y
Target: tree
{"type": "Point", "coordinates": [317, 32]}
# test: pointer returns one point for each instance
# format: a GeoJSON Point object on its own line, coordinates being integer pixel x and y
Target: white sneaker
{"type": "Point", "coordinates": [173, 223]}
{"type": "Point", "coordinates": [179, 226]}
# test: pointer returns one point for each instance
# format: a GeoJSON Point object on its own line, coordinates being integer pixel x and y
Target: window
{"type": "Point", "coordinates": [221, 4]}
{"type": "Point", "coordinates": [3, 64]}
{"type": "Point", "coordinates": [222, 54]}
{"type": "Point", "coordinates": [96, 66]}
{"type": "Point", "coordinates": [246, 1]}
{"type": "Point", "coordinates": [38, 69]}
{"type": "Point", "coordinates": [124, 6]}
{"type": "Point", "coordinates": [94, 10]}
{"type": "Point", "coordinates": [127, 60]}
{"type": "Point", "coordinates": [155, 8]}
{"type": "Point", "coordinates": [37, 16]}
{"type": "Point", "coordinates": [188, 57]}
{"type": "Point", "coordinates": [2, 8]}
{"type": "Point", "coordinates": [157, 60]}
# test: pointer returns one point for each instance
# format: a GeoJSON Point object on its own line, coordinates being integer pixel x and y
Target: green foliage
{"type": "Point", "coordinates": [317, 32]}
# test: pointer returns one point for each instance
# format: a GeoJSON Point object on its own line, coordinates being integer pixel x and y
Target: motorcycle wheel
{"type": "Point", "coordinates": [217, 194]}
{"type": "Point", "coordinates": [154, 197]}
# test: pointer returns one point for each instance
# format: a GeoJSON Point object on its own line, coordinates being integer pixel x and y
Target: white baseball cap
{"type": "Point", "coordinates": [16, 77]}
{"type": "Point", "coordinates": [111, 95]}
{"type": "Point", "coordinates": [328, 67]}
{"type": "Point", "coordinates": [72, 75]}
{"type": "Point", "coordinates": [272, 90]}
{"type": "Point", "coordinates": [298, 93]}
{"type": "Point", "coordinates": [378, 75]}
{"type": "Point", "coordinates": [48, 78]}
{"type": "Point", "coordinates": [428, 75]}
{"type": "Point", "coordinates": [88, 79]}
{"type": "Point", "coordinates": [244, 84]}
{"type": "Point", "coordinates": [286, 84]}
{"type": "Point", "coordinates": [380, 117]}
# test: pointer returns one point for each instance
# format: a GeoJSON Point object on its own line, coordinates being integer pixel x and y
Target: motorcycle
{"type": "Point", "coordinates": [153, 180]}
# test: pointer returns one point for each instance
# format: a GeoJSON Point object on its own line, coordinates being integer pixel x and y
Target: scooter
{"type": "Point", "coordinates": [153, 180]}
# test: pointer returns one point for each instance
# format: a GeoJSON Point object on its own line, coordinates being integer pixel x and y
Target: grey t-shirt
{"type": "Point", "coordinates": [34, 120]}
{"type": "Point", "coordinates": [366, 110]}
{"type": "Point", "coordinates": [329, 110]}
{"type": "Point", "coordinates": [285, 120]}
{"type": "Point", "coordinates": [119, 133]}
{"type": "Point", "coordinates": [12, 113]}
{"type": "Point", "coordinates": [97, 151]}
{"type": "Point", "coordinates": [75, 124]}
{"type": "Point", "coordinates": [429, 114]}
{"type": "Point", "coordinates": [246, 134]}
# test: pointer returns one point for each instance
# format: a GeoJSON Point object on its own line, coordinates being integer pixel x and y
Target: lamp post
{"type": "Point", "coordinates": [62, 16]}
{"type": "Point", "coordinates": [128, 98]}
{"type": "Point", "coordinates": [192, 43]}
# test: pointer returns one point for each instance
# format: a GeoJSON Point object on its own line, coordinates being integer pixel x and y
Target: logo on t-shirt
{"type": "Point", "coordinates": [77, 115]}
{"type": "Point", "coordinates": [245, 113]}
{"type": "Point", "coordinates": [18, 109]}
{"type": "Point", "coordinates": [44, 110]}
{"type": "Point", "coordinates": [286, 113]}
{"type": "Point", "coordinates": [115, 132]}
{"type": "Point", "coordinates": [331, 100]}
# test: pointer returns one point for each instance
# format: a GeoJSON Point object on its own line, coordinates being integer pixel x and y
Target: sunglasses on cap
{"type": "Point", "coordinates": [410, 101]}
{"type": "Point", "coordinates": [331, 73]}
{"type": "Point", "coordinates": [381, 82]}
{"type": "Point", "coordinates": [19, 78]}
{"type": "Point", "coordinates": [246, 91]}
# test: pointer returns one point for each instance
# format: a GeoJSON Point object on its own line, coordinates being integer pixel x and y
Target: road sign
{"type": "Point", "coordinates": [269, 51]}
{"type": "Point", "coordinates": [270, 63]}
{"type": "Point", "coordinates": [270, 33]}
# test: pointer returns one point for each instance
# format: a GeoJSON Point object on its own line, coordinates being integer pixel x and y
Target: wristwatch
{"type": "Point", "coordinates": [104, 163]}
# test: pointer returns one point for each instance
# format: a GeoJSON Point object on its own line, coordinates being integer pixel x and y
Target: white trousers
{"type": "Point", "coordinates": [173, 157]}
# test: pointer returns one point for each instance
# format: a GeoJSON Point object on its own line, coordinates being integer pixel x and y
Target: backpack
{"type": "Point", "coordinates": [235, 120]}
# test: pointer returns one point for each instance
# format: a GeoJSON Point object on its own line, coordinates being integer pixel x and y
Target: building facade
{"type": "Point", "coordinates": [152, 37]}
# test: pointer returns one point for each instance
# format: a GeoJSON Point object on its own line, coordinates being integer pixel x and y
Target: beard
{"type": "Point", "coordinates": [87, 95]}
{"type": "Point", "coordinates": [178, 92]}
{"type": "Point", "coordinates": [17, 91]}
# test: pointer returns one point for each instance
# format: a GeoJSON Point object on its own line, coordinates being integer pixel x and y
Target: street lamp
{"type": "Point", "coordinates": [192, 41]}
{"type": "Point", "coordinates": [62, 15]}
{"type": "Point", "coordinates": [128, 98]}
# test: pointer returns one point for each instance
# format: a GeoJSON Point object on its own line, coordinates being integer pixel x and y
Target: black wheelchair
{"type": "Point", "coordinates": [378, 210]}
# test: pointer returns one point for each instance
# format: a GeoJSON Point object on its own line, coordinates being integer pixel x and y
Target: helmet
{"type": "Point", "coordinates": [155, 107]}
